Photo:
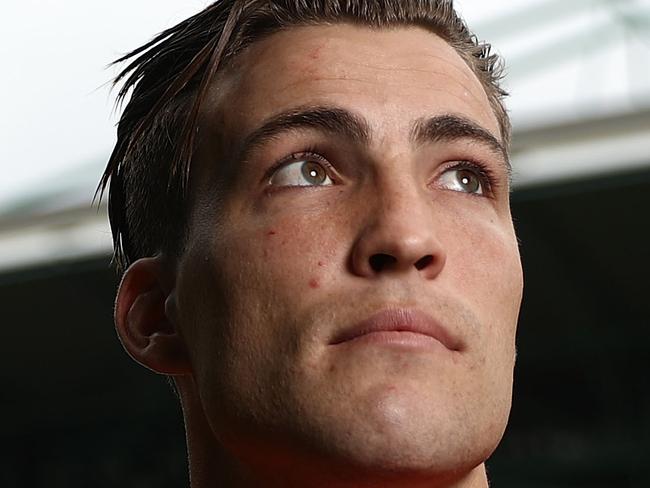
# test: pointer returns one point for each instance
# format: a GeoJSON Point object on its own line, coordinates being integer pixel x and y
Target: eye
{"type": "Point", "coordinates": [466, 178]}
{"type": "Point", "coordinates": [305, 170]}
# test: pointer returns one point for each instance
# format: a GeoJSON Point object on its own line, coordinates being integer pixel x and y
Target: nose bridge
{"type": "Point", "coordinates": [399, 232]}
{"type": "Point", "coordinates": [399, 200]}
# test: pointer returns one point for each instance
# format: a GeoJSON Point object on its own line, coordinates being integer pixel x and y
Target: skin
{"type": "Point", "coordinates": [273, 271]}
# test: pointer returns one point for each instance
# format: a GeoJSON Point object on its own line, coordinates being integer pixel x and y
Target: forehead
{"type": "Point", "coordinates": [390, 76]}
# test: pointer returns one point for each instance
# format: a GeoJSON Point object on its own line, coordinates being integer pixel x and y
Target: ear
{"type": "Point", "coordinates": [147, 333]}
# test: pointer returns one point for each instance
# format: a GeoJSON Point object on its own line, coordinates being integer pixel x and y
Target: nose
{"type": "Point", "coordinates": [399, 235]}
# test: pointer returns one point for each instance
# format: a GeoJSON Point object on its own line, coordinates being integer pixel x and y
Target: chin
{"type": "Point", "coordinates": [406, 434]}
{"type": "Point", "coordinates": [399, 460]}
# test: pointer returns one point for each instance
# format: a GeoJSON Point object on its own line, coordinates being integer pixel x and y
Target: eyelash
{"type": "Point", "coordinates": [488, 178]}
{"type": "Point", "coordinates": [310, 153]}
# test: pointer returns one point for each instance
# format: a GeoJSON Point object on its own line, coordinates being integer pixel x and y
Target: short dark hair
{"type": "Point", "coordinates": [168, 78]}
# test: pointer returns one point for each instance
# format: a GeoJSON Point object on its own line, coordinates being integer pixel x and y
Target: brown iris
{"type": "Point", "coordinates": [469, 181]}
{"type": "Point", "coordinates": [314, 173]}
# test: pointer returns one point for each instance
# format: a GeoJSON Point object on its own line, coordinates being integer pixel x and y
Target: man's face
{"type": "Point", "coordinates": [349, 180]}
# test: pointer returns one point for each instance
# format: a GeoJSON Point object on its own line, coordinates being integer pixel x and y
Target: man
{"type": "Point", "coordinates": [311, 202]}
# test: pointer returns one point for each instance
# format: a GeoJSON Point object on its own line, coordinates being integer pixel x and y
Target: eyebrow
{"type": "Point", "coordinates": [451, 127]}
{"type": "Point", "coordinates": [343, 123]}
{"type": "Point", "coordinates": [332, 120]}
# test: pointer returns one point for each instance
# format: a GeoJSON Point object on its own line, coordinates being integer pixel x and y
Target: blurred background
{"type": "Point", "coordinates": [76, 411]}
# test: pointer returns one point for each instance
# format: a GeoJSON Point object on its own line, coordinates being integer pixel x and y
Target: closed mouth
{"type": "Point", "coordinates": [393, 320]}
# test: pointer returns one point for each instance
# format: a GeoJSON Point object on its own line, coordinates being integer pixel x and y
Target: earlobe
{"type": "Point", "coordinates": [147, 333]}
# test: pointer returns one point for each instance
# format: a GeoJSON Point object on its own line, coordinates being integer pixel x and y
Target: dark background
{"type": "Point", "coordinates": [77, 412]}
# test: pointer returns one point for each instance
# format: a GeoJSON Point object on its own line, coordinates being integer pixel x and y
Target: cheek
{"type": "Point", "coordinates": [483, 257]}
{"type": "Point", "coordinates": [484, 267]}
{"type": "Point", "coordinates": [297, 253]}
{"type": "Point", "coordinates": [265, 272]}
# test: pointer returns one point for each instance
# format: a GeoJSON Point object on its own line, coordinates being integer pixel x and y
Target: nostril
{"type": "Point", "coordinates": [423, 262]}
{"type": "Point", "coordinates": [379, 262]}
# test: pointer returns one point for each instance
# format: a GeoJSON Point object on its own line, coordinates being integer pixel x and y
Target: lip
{"type": "Point", "coordinates": [417, 328]}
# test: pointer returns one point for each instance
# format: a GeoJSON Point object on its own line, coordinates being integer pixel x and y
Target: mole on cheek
{"type": "Point", "coordinates": [271, 233]}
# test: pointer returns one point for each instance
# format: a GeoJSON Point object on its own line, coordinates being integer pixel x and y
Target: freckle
{"type": "Point", "coordinates": [314, 283]}
{"type": "Point", "coordinates": [315, 54]}
{"type": "Point", "coordinates": [272, 233]}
